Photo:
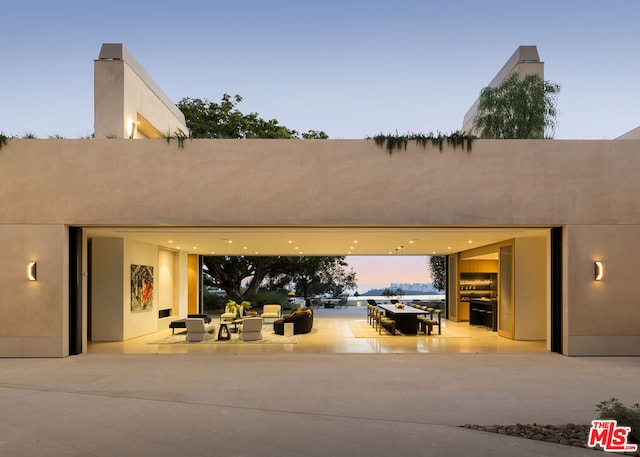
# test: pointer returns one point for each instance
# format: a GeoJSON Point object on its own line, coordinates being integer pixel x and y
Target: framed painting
{"type": "Point", "coordinates": [141, 288]}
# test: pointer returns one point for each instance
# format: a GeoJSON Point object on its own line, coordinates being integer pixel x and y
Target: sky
{"type": "Point", "coordinates": [378, 272]}
{"type": "Point", "coordinates": [350, 68]}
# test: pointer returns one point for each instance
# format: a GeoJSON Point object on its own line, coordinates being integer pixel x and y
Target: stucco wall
{"type": "Point", "coordinates": [603, 317]}
{"type": "Point", "coordinates": [34, 314]}
{"type": "Point", "coordinates": [108, 100]}
{"type": "Point", "coordinates": [122, 90]}
{"type": "Point", "coordinates": [591, 187]}
{"type": "Point", "coordinates": [534, 182]}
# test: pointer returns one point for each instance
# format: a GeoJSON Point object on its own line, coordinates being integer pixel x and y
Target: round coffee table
{"type": "Point", "coordinates": [235, 323]}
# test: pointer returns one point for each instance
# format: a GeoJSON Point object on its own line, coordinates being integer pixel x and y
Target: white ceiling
{"type": "Point", "coordinates": [340, 241]}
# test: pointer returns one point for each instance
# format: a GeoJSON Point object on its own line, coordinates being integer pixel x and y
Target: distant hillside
{"type": "Point", "coordinates": [378, 292]}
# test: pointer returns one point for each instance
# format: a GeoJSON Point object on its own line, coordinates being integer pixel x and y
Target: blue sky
{"type": "Point", "coordinates": [350, 68]}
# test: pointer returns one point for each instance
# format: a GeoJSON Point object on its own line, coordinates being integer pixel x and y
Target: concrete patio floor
{"type": "Point", "coordinates": [300, 404]}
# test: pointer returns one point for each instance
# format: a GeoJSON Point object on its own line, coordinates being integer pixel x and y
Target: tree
{"type": "Point", "coordinates": [316, 275]}
{"type": "Point", "coordinates": [229, 272]}
{"type": "Point", "coordinates": [518, 108]}
{"type": "Point", "coordinates": [308, 275]}
{"type": "Point", "coordinates": [315, 135]}
{"type": "Point", "coordinates": [389, 292]}
{"type": "Point", "coordinates": [206, 119]}
{"type": "Point", "coordinates": [437, 267]}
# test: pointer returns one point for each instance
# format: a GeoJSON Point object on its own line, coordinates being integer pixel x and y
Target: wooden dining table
{"type": "Point", "coordinates": [406, 318]}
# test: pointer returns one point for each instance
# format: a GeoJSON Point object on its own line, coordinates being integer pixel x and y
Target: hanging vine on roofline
{"type": "Point", "coordinates": [393, 142]}
{"type": "Point", "coordinates": [179, 135]}
{"type": "Point", "coordinates": [3, 140]}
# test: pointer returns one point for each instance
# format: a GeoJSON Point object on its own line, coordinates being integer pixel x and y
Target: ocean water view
{"type": "Point", "coordinates": [381, 299]}
{"type": "Point", "coordinates": [352, 300]}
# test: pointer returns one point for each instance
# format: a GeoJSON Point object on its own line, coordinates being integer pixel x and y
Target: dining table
{"type": "Point", "coordinates": [406, 317]}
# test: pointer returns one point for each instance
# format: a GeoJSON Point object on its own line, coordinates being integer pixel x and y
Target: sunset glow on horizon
{"type": "Point", "coordinates": [377, 272]}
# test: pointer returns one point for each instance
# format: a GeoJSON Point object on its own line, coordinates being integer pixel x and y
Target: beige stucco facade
{"type": "Point", "coordinates": [587, 187]}
{"type": "Point", "coordinates": [127, 101]}
{"type": "Point", "coordinates": [633, 134]}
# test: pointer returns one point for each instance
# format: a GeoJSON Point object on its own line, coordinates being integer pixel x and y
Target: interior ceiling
{"type": "Point", "coordinates": [338, 241]}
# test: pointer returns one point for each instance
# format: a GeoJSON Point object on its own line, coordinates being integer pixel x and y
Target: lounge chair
{"type": "Point", "coordinates": [271, 312]}
{"type": "Point", "coordinates": [251, 329]}
{"type": "Point", "coordinates": [198, 331]}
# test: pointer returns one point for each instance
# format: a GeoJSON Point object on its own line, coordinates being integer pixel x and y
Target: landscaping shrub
{"type": "Point", "coordinates": [266, 297]}
{"type": "Point", "coordinates": [212, 302]}
{"type": "Point", "coordinates": [625, 416]}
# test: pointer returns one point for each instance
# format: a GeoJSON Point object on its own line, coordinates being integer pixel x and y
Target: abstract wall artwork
{"type": "Point", "coordinates": [141, 288]}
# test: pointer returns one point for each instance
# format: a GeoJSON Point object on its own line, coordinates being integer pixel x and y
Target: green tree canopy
{"type": "Point", "coordinates": [206, 119]}
{"type": "Point", "coordinates": [437, 267]}
{"type": "Point", "coordinates": [310, 276]}
{"type": "Point", "coordinates": [307, 275]}
{"type": "Point", "coordinates": [518, 108]}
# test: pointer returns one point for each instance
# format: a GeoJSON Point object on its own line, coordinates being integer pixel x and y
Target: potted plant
{"type": "Point", "coordinates": [239, 308]}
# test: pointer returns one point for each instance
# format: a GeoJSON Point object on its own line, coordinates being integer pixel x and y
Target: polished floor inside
{"type": "Point", "coordinates": [344, 330]}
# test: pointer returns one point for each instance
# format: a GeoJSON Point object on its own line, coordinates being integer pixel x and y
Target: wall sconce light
{"type": "Point", "coordinates": [133, 130]}
{"type": "Point", "coordinates": [599, 270]}
{"type": "Point", "coordinates": [32, 271]}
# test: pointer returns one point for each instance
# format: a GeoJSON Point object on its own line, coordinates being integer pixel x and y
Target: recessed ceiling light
{"type": "Point", "coordinates": [290, 241]}
{"type": "Point", "coordinates": [355, 241]}
{"type": "Point", "coordinates": [244, 247]}
{"type": "Point", "coordinates": [449, 247]}
{"type": "Point", "coordinates": [194, 248]}
{"type": "Point", "coordinates": [230, 241]}
{"type": "Point", "coordinates": [170, 241]}
{"type": "Point", "coordinates": [470, 241]}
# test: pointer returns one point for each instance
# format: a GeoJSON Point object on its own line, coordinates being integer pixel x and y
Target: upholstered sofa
{"type": "Point", "coordinates": [302, 319]}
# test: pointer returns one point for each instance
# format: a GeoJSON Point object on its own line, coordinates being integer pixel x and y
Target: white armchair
{"type": "Point", "coordinates": [198, 331]}
{"type": "Point", "coordinates": [251, 329]}
{"type": "Point", "coordinates": [271, 312]}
